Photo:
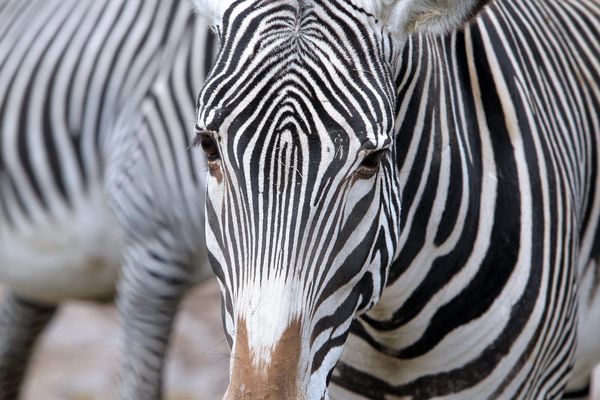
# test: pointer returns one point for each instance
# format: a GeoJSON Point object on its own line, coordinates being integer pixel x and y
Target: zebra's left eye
{"type": "Point", "coordinates": [370, 164]}
{"type": "Point", "coordinates": [209, 145]}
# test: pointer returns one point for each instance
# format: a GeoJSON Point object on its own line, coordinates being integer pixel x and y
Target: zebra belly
{"type": "Point", "coordinates": [74, 256]}
{"type": "Point", "coordinates": [588, 345]}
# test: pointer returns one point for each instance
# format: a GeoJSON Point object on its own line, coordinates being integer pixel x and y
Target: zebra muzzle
{"type": "Point", "coordinates": [275, 377]}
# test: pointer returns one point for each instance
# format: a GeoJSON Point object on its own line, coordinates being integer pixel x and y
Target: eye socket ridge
{"type": "Point", "coordinates": [206, 140]}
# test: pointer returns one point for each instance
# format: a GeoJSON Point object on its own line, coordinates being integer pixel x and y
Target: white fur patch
{"type": "Point", "coordinates": [268, 307]}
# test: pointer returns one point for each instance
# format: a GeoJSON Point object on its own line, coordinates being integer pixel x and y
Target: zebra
{"type": "Point", "coordinates": [403, 196]}
{"type": "Point", "coordinates": [95, 172]}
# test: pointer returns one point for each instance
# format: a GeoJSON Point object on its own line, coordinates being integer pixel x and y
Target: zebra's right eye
{"type": "Point", "coordinates": [370, 164]}
{"type": "Point", "coordinates": [209, 145]}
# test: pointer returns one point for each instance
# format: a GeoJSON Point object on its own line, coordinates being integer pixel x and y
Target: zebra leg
{"type": "Point", "coordinates": [21, 322]}
{"type": "Point", "coordinates": [152, 286]}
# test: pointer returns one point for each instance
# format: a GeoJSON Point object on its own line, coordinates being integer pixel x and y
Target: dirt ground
{"type": "Point", "coordinates": [77, 357]}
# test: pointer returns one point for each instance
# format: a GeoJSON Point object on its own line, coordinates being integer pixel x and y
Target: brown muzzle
{"type": "Point", "coordinates": [277, 379]}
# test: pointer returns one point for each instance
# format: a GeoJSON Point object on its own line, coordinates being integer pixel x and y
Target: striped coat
{"type": "Point", "coordinates": [401, 205]}
{"type": "Point", "coordinates": [96, 113]}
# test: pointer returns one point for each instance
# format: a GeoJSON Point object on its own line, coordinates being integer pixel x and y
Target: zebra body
{"type": "Point", "coordinates": [96, 105]}
{"type": "Point", "coordinates": [532, 148]}
{"type": "Point", "coordinates": [422, 209]}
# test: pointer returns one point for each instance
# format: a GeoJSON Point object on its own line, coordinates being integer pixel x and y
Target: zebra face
{"type": "Point", "coordinates": [297, 123]}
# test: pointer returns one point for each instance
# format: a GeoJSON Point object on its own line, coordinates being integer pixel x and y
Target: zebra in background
{"type": "Point", "coordinates": [97, 100]}
{"type": "Point", "coordinates": [409, 190]}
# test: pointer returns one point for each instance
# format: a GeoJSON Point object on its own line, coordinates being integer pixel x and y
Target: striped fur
{"type": "Point", "coordinates": [95, 116]}
{"type": "Point", "coordinates": [467, 264]}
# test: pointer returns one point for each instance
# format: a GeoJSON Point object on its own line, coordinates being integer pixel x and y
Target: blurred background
{"type": "Point", "coordinates": [78, 355]}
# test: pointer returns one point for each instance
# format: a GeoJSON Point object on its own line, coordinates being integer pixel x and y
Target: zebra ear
{"type": "Point", "coordinates": [425, 16]}
{"type": "Point", "coordinates": [212, 10]}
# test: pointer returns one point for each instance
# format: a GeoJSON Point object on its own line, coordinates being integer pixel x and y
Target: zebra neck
{"type": "Point", "coordinates": [438, 149]}
{"type": "Point", "coordinates": [443, 158]}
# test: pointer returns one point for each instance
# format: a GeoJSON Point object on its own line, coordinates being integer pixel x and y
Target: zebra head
{"type": "Point", "coordinates": [297, 120]}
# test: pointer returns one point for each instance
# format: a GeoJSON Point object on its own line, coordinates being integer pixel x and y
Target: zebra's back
{"type": "Point", "coordinates": [74, 77]}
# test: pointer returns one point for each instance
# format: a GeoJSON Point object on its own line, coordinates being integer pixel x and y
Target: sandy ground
{"type": "Point", "coordinates": [77, 357]}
